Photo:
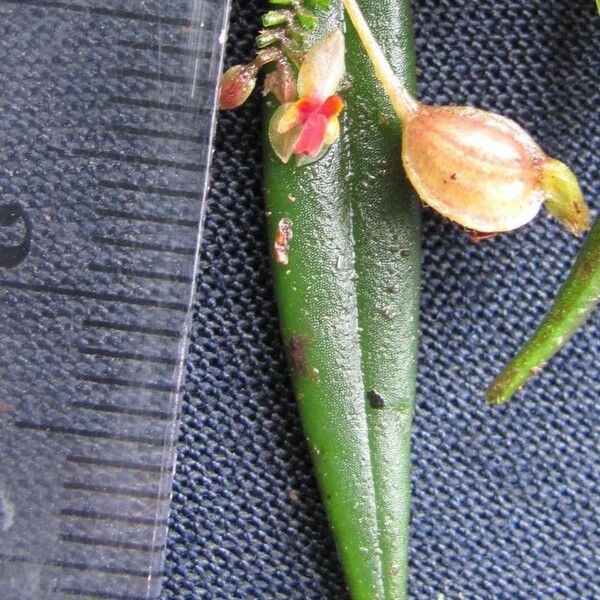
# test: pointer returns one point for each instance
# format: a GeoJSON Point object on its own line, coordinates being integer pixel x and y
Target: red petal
{"type": "Point", "coordinates": [332, 107]}
{"type": "Point", "coordinates": [311, 139]}
{"type": "Point", "coordinates": [306, 107]}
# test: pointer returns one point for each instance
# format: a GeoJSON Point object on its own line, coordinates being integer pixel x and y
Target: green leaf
{"type": "Point", "coordinates": [348, 295]}
{"type": "Point", "coordinates": [317, 4]}
{"type": "Point", "coordinates": [307, 21]}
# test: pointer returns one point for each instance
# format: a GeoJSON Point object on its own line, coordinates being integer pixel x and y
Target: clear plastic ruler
{"type": "Point", "coordinates": [107, 113]}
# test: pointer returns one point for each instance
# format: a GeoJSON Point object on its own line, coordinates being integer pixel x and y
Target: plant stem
{"type": "Point", "coordinates": [402, 100]}
{"type": "Point", "coordinates": [576, 299]}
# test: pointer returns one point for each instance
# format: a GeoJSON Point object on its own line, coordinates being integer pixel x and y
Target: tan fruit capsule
{"type": "Point", "coordinates": [482, 170]}
{"type": "Point", "coordinates": [474, 167]}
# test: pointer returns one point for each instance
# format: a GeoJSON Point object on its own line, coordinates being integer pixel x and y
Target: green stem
{"type": "Point", "coordinates": [402, 100]}
{"type": "Point", "coordinates": [576, 299]}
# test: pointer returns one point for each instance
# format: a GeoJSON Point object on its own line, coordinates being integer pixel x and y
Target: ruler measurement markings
{"type": "Point", "coordinates": [155, 133]}
{"type": "Point", "coordinates": [126, 272]}
{"type": "Point", "coordinates": [107, 12]}
{"type": "Point", "coordinates": [121, 355]}
{"type": "Point", "coordinates": [138, 245]}
{"type": "Point", "coordinates": [145, 218]}
{"type": "Point", "coordinates": [133, 159]}
{"type": "Point", "coordinates": [138, 273]}
{"type": "Point", "coordinates": [138, 385]}
{"type": "Point", "coordinates": [100, 435]}
{"type": "Point", "coordinates": [115, 490]}
{"type": "Point", "coordinates": [63, 564]}
{"type": "Point", "coordinates": [90, 294]}
{"type": "Point", "coordinates": [74, 513]}
{"type": "Point", "coordinates": [99, 595]}
{"type": "Point", "coordinates": [162, 48]}
{"type": "Point", "coordinates": [157, 104]}
{"type": "Point", "coordinates": [131, 328]}
{"type": "Point", "coordinates": [158, 76]}
{"type": "Point", "coordinates": [155, 76]}
{"type": "Point", "coordinates": [124, 410]}
{"type": "Point", "coordinates": [141, 130]}
{"type": "Point", "coordinates": [148, 189]}
{"type": "Point", "coordinates": [114, 464]}
{"type": "Point", "coordinates": [106, 570]}
{"type": "Point", "coordinates": [94, 541]}
{"type": "Point", "coordinates": [135, 356]}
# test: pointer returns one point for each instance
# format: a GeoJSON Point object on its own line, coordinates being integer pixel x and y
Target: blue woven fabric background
{"type": "Point", "coordinates": [505, 501]}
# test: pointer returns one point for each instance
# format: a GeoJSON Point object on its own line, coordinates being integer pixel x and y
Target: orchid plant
{"type": "Point", "coordinates": [348, 298]}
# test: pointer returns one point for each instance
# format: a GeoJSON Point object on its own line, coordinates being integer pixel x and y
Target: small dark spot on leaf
{"type": "Point", "coordinates": [386, 312]}
{"type": "Point", "coordinates": [587, 268]}
{"type": "Point", "coordinates": [453, 176]}
{"type": "Point", "coordinates": [296, 351]}
{"type": "Point", "coordinates": [375, 399]}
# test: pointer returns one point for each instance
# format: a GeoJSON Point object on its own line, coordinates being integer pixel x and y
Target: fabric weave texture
{"type": "Point", "coordinates": [505, 500]}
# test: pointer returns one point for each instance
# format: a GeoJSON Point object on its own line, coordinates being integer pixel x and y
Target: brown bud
{"type": "Point", "coordinates": [237, 84]}
{"type": "Point", "coordinates": [281, 82]}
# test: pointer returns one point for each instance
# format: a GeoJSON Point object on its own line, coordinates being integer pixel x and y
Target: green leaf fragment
{"type": "Point", "coordinates": [575, 301]}
{"type": "Point", "coordinates": [317, 4]}
{"type": "Point", "coordinates": [274, 18]}
{"type": "Point", "coordinates": [307, 21]}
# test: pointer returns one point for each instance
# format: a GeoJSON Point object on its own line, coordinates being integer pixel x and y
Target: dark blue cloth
{"type": "Point", "coordinates": [505, 501]}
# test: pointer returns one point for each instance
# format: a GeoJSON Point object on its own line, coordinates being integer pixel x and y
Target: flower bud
{"type": "Point", "coordinates": [485, 172]}
{"type": "Point", "coordinates": [281, 82]}
{"type": "Point", "coordinates": [237, 84]}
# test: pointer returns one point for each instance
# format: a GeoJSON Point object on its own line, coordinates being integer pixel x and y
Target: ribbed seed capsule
{"type": "Point", "coordinates": [482, 170]}
{"type": "Point", "coordinates": [476, 168]}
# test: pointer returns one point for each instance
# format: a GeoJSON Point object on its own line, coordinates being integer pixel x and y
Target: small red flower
{"type": "Point", "coordinates": [320, 124]}
{"type": "Point", "coordinates": [310, 125]}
